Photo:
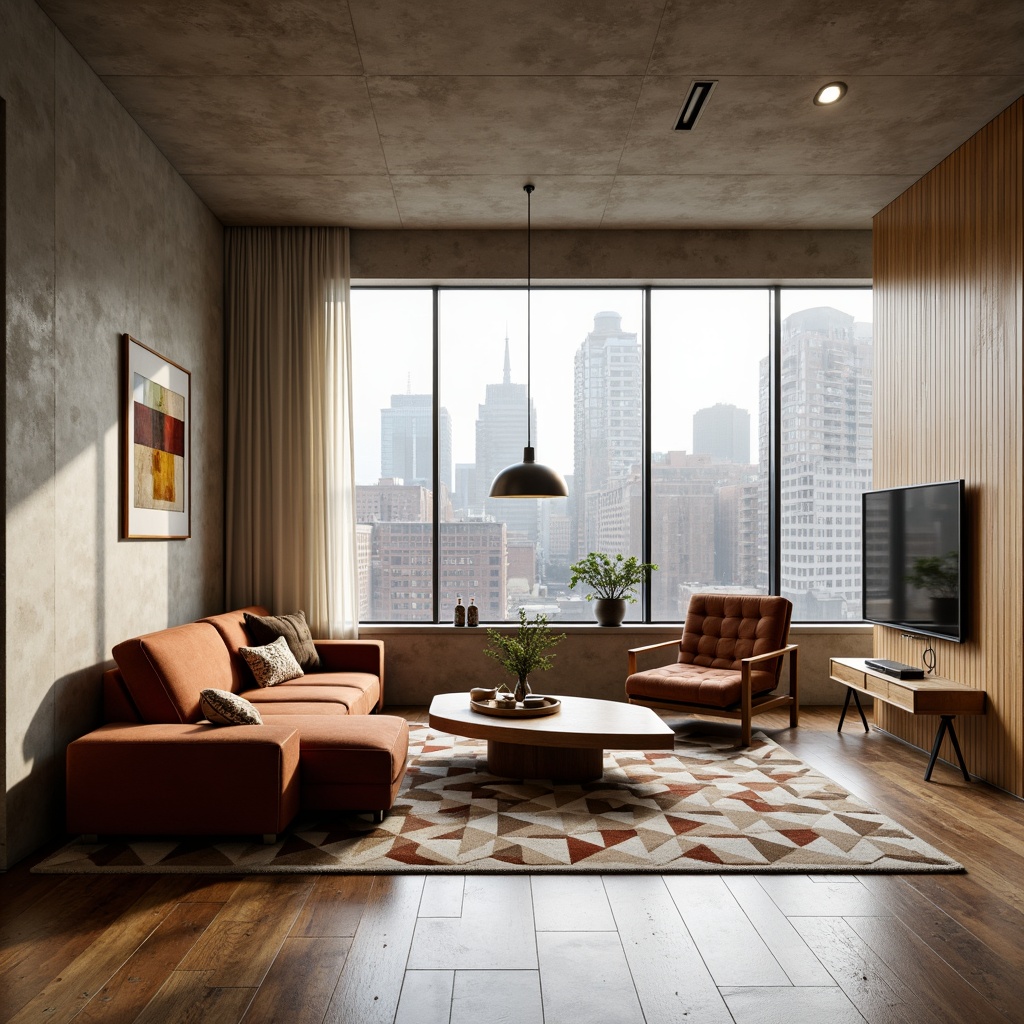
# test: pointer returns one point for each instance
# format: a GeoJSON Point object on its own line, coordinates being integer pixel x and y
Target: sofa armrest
{"type": "Point", "coordinates": [353, 656]}
{"type": "Point", "coordinates": [193, 779]}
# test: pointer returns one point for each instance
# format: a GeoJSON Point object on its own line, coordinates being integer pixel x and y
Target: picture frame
{"type": "Point", "coordinates": [157, 422]}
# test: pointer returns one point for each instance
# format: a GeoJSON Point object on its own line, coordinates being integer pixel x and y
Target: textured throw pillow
{"type": "Point", "coordinates": [223, 708]}
{"type": "Point", "coordinates": [273, 663]}
{"type": "Point", "coordinates": [265, 629]}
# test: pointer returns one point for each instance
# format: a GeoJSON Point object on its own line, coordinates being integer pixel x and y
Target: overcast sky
{"type": "Point", "coordinates": [706, 347]}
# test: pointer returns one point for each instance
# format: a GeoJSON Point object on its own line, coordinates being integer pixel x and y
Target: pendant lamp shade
{"type": "Point", "coordinates": [528, 479]}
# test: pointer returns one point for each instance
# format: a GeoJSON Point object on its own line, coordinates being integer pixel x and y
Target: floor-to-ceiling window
{"type": "Point", "coordinates": [709, 509]}
{"type": "Point", "coordinates": [721, 433]}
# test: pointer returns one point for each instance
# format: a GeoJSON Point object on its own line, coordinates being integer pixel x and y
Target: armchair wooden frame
{"type": "Point", "coordinates": [748, 704]}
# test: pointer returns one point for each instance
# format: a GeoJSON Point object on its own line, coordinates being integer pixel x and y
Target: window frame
{"type": "Point", "coordinates": [645, 293]}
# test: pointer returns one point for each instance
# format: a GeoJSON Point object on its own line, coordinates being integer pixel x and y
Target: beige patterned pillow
{"type": "Point", "coordinates": [273, 663]}
{"type": "Point", "coordinates": [224, 708]}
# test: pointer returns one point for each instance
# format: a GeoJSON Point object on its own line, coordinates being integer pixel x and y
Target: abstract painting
{"type": "Point", "coordinates": [157, 457]}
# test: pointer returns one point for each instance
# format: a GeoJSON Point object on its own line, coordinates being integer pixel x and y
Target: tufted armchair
{"type": "Point", "coordinates": [730, 661]}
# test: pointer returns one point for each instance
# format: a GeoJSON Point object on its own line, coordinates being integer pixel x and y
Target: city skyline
{"type": "Point", "coordinates": [709, 513]}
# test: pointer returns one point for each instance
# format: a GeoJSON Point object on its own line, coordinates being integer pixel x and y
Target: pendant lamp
{"type": "Point", "coordinates": [528, 479]}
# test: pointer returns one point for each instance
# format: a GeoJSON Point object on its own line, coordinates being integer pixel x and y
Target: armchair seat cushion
{"type": "Point", "coordinates": [696, 684]}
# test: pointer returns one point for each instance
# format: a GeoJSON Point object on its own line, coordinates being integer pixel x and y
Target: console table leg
{"type": "Point", "coordinates": [956, 747]}
{"type": "Point", "coordinates": [846, 706]}
{"type": "Point", "coordinates": [946, 723]}
{"type": "Point", "coordinates": [860, 710]}
{"type": "Point", "coordinates": [935, 747]}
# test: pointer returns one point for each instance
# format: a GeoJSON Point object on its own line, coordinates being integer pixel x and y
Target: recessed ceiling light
{"type": "Point", "coordinates": [693, 105]}
{"type": "Point", "coordinates": [831, 93]}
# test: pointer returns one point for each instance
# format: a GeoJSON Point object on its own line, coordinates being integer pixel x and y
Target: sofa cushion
{"type": "Point", "coordinates": [354, 690]}
{"type": "Point", "coordinates": [276, 710]}
{"type": "Point", "coordinates": [272, 664]}
{"type": "Point", "coordinates": [352, 763]}
{"type": "Point", "coordinates": [183, 779]}
{"type": "Point", "coordinates": [166, 671]}
{"type": "Point", "coordinates": [231, 626]}
{"type": "Point", "coordinates": [222, 707]}
{"type": "Point", "coordinates": [694, 684]}
{"type": "Point", "coordinates": [264, 629]}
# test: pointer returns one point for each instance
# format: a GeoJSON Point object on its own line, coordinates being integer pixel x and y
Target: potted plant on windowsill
{"type": "Point", "coordinates": [612, 581]}
{"type": "Point", "coordinates": [522, 652]}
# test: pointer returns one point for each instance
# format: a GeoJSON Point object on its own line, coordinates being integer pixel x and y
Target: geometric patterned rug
{"type": "Point", "coordinates": [704, 807]}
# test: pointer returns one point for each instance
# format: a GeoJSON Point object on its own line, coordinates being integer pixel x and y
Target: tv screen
{"type": "Point", "coordinates": [913, 557]}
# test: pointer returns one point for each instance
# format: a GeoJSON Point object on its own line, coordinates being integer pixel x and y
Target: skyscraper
{"type": "Point", "coordinates": [406, 441]}
{"type": "Point", "coordinates": [723, 432]}
{"type": "Point", "coordinates": [500, 438]}
{"type": "Point", "coordinates": [826, 459]}
{"type": "Point", "coordinates": [607, 434]}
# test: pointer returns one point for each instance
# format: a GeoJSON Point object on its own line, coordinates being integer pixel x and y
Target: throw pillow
{"type": "Point", "coordinates": [265, 629]}
{"type": "Point", "coordinates": [224, 708]}
{"type": "Point", "coordinates": [273, 663]}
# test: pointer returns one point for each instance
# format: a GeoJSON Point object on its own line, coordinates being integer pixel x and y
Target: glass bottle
{"type": "Point", "coordinates": [460, 613]}
{"type": "Point", "coordinates": [472, 613]}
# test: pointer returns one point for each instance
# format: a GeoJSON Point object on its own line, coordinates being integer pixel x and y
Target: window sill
{"type": "Point", "coordinates": [373, 630]}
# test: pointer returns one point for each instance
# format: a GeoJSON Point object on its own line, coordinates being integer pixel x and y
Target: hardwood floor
{"type": "Point", "coordinates": [478, 949]}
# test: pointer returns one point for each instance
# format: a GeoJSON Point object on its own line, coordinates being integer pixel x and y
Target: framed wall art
{"type": "Point", "coordinates": [158, 451]}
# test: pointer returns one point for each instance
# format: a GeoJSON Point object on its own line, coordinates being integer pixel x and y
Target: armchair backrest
{"type": "Point", "coordinates": [721, 629]}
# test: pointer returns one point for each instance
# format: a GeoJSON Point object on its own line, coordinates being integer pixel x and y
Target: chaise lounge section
{"type": "Point", "coordinates": [157, 767]}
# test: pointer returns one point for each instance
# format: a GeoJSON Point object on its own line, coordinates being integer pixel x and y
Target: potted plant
{"type": "Point", "coordinates": [522, 652]}
{"type": "Point", "coordinates": [612, 581]}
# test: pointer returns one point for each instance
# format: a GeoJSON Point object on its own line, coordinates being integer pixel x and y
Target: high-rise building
{"type": "Point", "coordinates": [391, 501]}
{"type": "Point", "coordinates": [723, 432]}
{"type": "Point", "coordinates": [826, 459]}
{"type": "Point", "coordinates": [407, 441]}
{"type": "Point", "coordinates": [500, 438]}
{"type": "Point", "coordinates": [608, 434]}
{"type": "Point", "coordinates": [465, 489]}
{"type": "Point", "coordinates": [364, 563]}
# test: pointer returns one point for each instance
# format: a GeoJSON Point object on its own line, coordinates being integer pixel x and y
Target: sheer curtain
{"type": "Point", "coordinates": [290, 488]}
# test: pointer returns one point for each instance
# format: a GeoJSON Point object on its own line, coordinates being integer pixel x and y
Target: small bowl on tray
{"type": "Point", "coordinates": [501, 709]}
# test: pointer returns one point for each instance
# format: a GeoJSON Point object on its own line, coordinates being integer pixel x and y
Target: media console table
{"type": "Point", "coordinates": [930, 695]}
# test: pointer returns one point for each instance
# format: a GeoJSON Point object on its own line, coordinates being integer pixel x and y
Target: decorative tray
{"type": "Point", "coordinates": [551, 706]}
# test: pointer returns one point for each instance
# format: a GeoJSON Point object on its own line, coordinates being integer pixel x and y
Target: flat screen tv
{"type": "Point", "coordinates": [913, 552]}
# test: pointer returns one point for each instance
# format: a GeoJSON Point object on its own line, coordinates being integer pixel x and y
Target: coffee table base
{"type": "Point", "coordinates": [559, 764]}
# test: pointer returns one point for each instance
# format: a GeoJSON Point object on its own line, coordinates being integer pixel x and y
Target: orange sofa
{"type": "Point", "coordinates": [158, 768]}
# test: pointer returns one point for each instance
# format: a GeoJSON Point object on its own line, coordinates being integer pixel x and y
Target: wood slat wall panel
{"type": "Point", "coordinates": [949, 389]}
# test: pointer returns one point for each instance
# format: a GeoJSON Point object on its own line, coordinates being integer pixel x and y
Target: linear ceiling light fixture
{"type": "Point", "coordinates": [829, 94]}
{"type": "Point", "coordinates": [528, 479]}
{"type": "Point", "coordinates": [694, 104]}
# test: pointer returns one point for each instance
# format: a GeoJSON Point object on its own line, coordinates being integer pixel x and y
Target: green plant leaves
{"type": "Point", "coordinates": [610, 578]}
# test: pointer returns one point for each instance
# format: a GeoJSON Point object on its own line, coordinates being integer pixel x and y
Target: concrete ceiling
{"type": "Point", "coordinates": [433, 113]}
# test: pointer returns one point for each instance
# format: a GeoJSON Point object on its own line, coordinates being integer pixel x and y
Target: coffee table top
{"type": "Point", "coordinates": [583, 722]}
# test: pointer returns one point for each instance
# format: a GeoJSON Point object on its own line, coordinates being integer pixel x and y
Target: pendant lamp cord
{"type": "Point", "coordinates": [528, 189]}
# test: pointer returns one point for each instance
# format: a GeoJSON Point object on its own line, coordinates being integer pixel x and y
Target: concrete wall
{"type": "Point", "coordinates": [597, 257]}
{"type": "Point", "coordinates": [590, 662]}
{"type": "Point", "coordinates": [102, 237]}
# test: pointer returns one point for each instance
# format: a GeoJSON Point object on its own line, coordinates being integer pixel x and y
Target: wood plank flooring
{"type": "Point", "coordinates": [547, 949]}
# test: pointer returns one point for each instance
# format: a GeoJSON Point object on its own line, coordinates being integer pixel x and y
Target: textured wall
{"type": "Point", "coordinates": [949, 330]}
{"type": "Point", "coordinates": [590, 662]}
{"type": "Point", "coordinates": [644, 257]}
{"type": "Point", "coordinates": [103, 237]}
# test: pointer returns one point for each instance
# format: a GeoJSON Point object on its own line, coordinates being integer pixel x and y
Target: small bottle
{"type": "Point", "coordinates": [472, 613]}
{"type": "Point", "coordinates": [460, 613]}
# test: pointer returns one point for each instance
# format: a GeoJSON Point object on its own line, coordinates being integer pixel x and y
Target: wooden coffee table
{"type": "Point", "coordinates": [567, 747]}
